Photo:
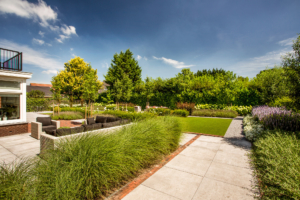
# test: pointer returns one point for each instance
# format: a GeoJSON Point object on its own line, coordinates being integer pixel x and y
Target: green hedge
{"type": "Point", "coordinates": [67, 115]}
{"type": "Point", "coordinates": [241, 110]}
{"type": "Point", "coordinates": [32, 103]}
{"type": "Point", "coordinates": [215, 113]}
{"type": "Point", "coordinates": [276, 157]}
{"type": "Point", "coordinates": [134, 116]}
{"type": "Point", "coordinates": [91, 166]}
{"type": "Point", "coordinates": [181, 113]}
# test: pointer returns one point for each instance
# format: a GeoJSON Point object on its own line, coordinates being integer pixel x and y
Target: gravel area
{"type": "Point", "coordinates": [235, 130]}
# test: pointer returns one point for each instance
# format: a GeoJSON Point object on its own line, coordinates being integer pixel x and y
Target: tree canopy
{"type": "Point", "coordinates": [123, 64]}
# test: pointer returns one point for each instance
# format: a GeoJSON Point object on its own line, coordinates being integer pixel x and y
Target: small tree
{"type": "Point", "coordinates": [57, 89]}
{"type": "Point", "coordinates": [148, 89]}
{"type": "Point", "coordinates": [90, 86]}
{"type": "Point", "coordinates": [127, 88]}
{"type": "Point", "coordinates": [116, 92]}
{"type": "Point", "coordinates": [35, 94]}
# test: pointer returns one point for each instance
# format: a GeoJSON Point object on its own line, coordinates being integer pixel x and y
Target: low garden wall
{"type": "Point", "coordinates": [49, 141]}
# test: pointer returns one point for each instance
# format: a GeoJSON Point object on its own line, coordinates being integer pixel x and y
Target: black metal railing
{"type": "Point", "coordinates": [10, 60]}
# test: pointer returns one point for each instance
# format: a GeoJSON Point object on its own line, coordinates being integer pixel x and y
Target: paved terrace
{"type": "Point", "coordinates": [209, 168]}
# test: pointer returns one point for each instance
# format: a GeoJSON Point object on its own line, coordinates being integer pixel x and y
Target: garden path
{"type": "Point", "coordinates": [209, 168]}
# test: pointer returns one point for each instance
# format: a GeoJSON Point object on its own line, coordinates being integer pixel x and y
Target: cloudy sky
{"type": "Point", "coordinates": [165, 36]}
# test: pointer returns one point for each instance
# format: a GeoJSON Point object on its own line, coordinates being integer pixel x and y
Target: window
{"type": "Point", "coordinates": [9, 107]}
{"type": "Point", "coordinates": [10, 85]}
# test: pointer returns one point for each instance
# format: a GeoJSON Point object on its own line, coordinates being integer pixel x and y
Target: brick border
{"type": "Point", "coordinates": [205, 134]}
{"type": "Point", "coordinates": [121, 193]}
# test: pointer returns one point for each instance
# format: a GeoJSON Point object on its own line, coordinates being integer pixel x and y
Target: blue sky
{"type": "Point", "coordinates": [165, 36]}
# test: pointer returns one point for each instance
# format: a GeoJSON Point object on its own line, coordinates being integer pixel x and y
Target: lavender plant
{"type": "Point", "coordinates": [277, 118]}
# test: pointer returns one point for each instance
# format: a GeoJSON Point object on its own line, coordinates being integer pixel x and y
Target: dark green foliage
{"type": "Point", "coordinates": [91, 166]}
{"type": "Point", "coordinates": [123, 64]}
{"type": "Point", "coordinates": [74, 109]}
{"type": "Point", "coordinates": [159, 111]}
{"type": "Point", "coordinates": [35, 94]}
{"type": "Point", "coordinates": [68, 115]}
{"type": "Point", "coordinates": [37, 104]}
{"type": "Point", "coordinates": [214, 72]}
{"type": "Point", "coordinates": [276, 157]}
{"type": "Point", "coordinates": [215, 113]}
{"type": "Point", "coordinates": [180, 113]}
{"type": "Point", "coordinates": [134, 116]}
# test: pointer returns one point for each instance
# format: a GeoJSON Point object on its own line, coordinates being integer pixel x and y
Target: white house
{"type": "Point", "coordinates": [12, 93]}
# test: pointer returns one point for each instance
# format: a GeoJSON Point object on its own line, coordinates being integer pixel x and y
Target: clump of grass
{"type": "Point", "coordinates": [68, 116]}
{"type": "Point", "coordinates": [215, 113]}
{"type": "Point", "coordinates": [276, 157]}
{"type": "Point", "coordinates": [90, 166]}
{"type": "Point", "coordinates": [134, 116]}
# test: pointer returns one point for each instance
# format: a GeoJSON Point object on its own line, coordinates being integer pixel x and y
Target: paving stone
{"type": "Point", "coordinates": [189, 164]}
{"type": "Point", "coordinates": [229, 148]}
{"type": "Point", "coordinates": [210, 139]}
{"type": "Point", "coordinates": [186, 137]}
{"type": "Point", "coordinates": [23, 147]}
{"type": "Point", "coordinates": [208, 145]}
{"type": "Point", "coordinates": [230, 174]}
{"type": "Point", "coordinates": [146, 193]}
{"type": "Point", "coordinates": [199, 153]}
{"type": "Point", "coordinates": [173, 182]}
{"type": "Point", "coordinates": [28, 153]}
{"type": "Point", "coordinates": [22, 140]}
{"type": "Point", "coordinates": [232, 159]}
{"type": "Point", "coordinates": [8, 158]}
{"type": "Point", "coordinates": [4, 152]}
{"type": "Point", "coordinates": [214, 190]}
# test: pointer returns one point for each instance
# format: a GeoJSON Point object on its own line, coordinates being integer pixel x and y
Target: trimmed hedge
{"type": "Point", "coordinates": [134, 116]}
{"type": "Point", "coordinates": [180, 113]}
{"type": "Point", "coordinates": [215, 113]}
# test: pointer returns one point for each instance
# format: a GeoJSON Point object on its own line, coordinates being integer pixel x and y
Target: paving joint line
{"type": "Point", "coordinates": [159, 191]}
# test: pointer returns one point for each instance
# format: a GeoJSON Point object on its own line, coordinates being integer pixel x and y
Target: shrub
{"type": "Point", "coordinates": [186, 106]}
{"type": "Point", "coordinates": [275, 118]}
{"type": "Point", "coordinates": [135, 116]}
{"type": "Point", "coordinates": [77, 109]}
{"type": "Point", "coordinates": [276, 157]}
{"type": "Point", "coordinates": [37, 104]}
{"type": "Point", "coordinates": [241, 110]}
{"type": "Point", "coordinates": [215, 113]}
{"type": "Point", "coordinates": [159, 111]}
{"type": "Point", "coordinates": [252, 128]}
{"type": "Point", "coordinates": [68, 116]}
{"type": "Point", "coordinates": [91, 166]}
{"type": "Point", "coordinates": [181, 113]}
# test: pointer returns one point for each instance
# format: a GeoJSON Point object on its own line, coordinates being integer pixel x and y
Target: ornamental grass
{"type": "Point", "coordinates": [215, 113]}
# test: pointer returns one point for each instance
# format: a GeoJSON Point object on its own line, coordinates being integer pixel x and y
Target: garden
{"type": "Point", "coordinates": [95, 165]}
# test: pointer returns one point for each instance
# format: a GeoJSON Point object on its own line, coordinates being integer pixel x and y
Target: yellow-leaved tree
{"type": "Point", "coordinates": [73, 79]}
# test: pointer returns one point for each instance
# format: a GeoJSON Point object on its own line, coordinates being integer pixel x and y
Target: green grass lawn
{"type": "Point", "coordinates": [211, 126]}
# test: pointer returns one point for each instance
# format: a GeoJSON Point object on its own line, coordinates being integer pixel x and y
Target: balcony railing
{"type": "Point", "coordinates": [10, 60]}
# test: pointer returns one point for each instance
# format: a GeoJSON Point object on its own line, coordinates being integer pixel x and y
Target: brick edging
{"type": "Point", "coordinates": [121, 193]}
{"type": "Point", "coordinates": [205, 134]}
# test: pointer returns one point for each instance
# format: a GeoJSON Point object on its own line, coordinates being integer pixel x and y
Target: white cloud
{"type": "Point", "coordinates": [50, 71]}
{"type": "Point", "coordinates": [39, 12]}
{"type": "Point", "coordinates": [287, 42]}
{"type": "Point", "coordinates": [105, 65]}
{"type": "Point", "coordinates": [68, 30]}
{"type": "Point", "coordinates": [50, 45]}
{"type": "Point", "coordinates": [41, 33]}
{"type": "Point", "coordinates": [173, 63]}
{"type": "Point", "coordinates": [71, 49]}
{"type": "Point", "coordinates": [252, 66]}
{"type": "Point", "coordinates": [33, 57]}
{"type": "Point", "coordinates": [37, 41]}
{"type": "Point", "coordinates": [145, 58]}
{"type": "Point", "coordinates": [73, 55]}
{"type": "Point", "coordinates": [138, 57]}
{"type": "Point", "coordinates": [61, 38]}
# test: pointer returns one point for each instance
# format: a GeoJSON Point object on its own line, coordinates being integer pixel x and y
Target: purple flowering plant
{"type": "Point", "coordinates": [277, 118]}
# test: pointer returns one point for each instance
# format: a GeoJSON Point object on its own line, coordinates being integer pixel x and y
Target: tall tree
{"type": "Point", "coordinates": [91, 85]}
{"type": "Point", "coordinates": [127, 88]}
{"type": "Point", "coordinates": [116, 91]}
{"type": "Point", "coordinates": [123, 63]}
{"type": "Point", "coordinates": [72, 78]}
{"type": "Point", "coordinates": [149, 89]}
{"type": "Point", "coordinates": [291, 65]}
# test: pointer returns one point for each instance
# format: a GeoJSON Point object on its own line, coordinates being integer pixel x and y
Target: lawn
{"type": "Point", "coordinates": [211, 126]}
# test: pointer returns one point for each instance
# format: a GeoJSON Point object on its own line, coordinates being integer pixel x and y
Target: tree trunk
{"type": "Point", "coordinates": [81, 102]}
{"type": "Point", "coordinates": [58, 108]}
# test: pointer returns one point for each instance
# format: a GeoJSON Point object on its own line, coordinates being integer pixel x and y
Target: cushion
{"type": "Point", "coordinates": [63, 131]}
{"type": "Point", "coordinates": [79, 129]}
{"type": "Point", "coordinates": [101, 119]}
{"type": "Point", "coordinates": [90, 121]}
{"type": "Point", "coordinates": [111, 124]}
{"type": "Point", "coordinates": [88, 127]}
{"type": "Point", "coordinates": [48, 128]}
{"type": "Point", "coordinates": [97, 125]}
{"type": "Point", "coordinates": [111, 119]}
{"type": "Point", "coordinates": [51, 132]}
{"type": "Point", "coordinates": [46, 121]}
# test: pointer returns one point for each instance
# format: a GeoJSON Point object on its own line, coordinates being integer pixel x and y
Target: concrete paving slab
{"type": "Point", "coordinates": [4, 152]}
{"type": "Point", "coordinates": [28, 153]}
{"type": "Point", "coordinates": [228, 148]}
{"type": "Point", "coordinates": [230, 174]}
{"type": "Point", "coordinates": [12, 138]}
{"type": "Point", "coordinates": [8, 158]}
{"type": "Point", "coordinates": [23, 147]}
{"type": "Point", "coordinates": [199, 153]}
{"type": "Point", "coordinates": [173, 182]}
{"type": "Point", "coordinates": [215, 190]}
{"type": "Point", "coordinates": [189, 164]}
{"type": "Point", "coordinates": [146, 193]}
{"type": "Point", "coordinates": [232, 159]}
{"type": "Point", "coordinates": [210, 139]}
{"type": "Point", "coordinates": [186, 137]}
{"type": "Point", "coordinates": [242, 143]}
{"type": "Point", "coordinates": [22, 140]}
{"type": "Point", "coordinates": [208, 145]}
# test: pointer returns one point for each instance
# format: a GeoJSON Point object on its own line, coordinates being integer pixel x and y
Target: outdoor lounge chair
{"type": "Point", "coordinates": [43, 124]}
